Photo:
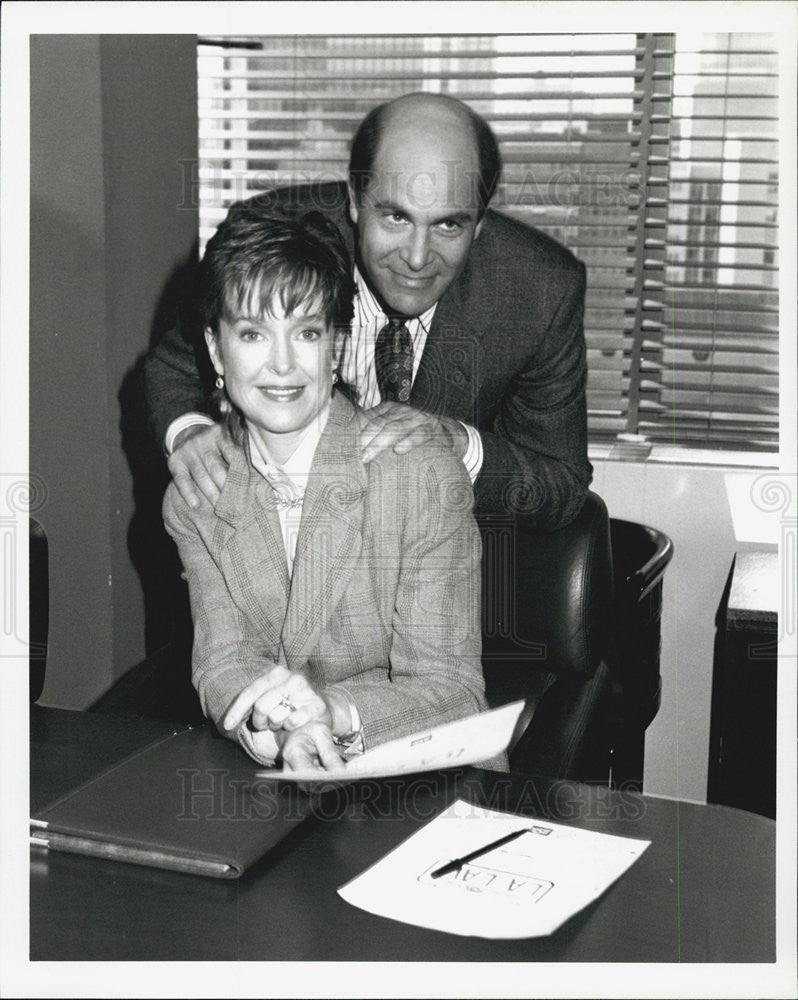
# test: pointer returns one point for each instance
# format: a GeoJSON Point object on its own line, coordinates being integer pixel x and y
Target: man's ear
{"type": "Point", "coordinates": [213, 349]}
{"type": "Point", "coordinates": [354, 211]}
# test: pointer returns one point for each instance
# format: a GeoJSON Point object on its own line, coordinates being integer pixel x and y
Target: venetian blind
{"type": "Point", "coordinates": [642, 153]}
{"type": "Point", "coordinates": [709, 361]}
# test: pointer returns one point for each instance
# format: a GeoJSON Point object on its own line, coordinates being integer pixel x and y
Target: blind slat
{"type": "Point", "coordinates": [296, 75]}
{"type": "Point", "coordinates": [695, 342]}
{"type": "Point", "coordinates": [303, 94]}
{"type": "Point", "coordinates": [351, 118]}
{"type": "Point", "coordinates": [309, 52]}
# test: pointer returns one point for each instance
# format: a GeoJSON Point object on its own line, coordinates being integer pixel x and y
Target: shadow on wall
{"type": "Point", "coordinates": [68, 415]}
{"type": "Point", "coordinates": [152, 552]}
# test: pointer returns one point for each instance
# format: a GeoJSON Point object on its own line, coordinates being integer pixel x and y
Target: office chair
{"type": "Point", "coordinates": [547, 610]}
{"type": "Point", "coordinates": [571, 621]}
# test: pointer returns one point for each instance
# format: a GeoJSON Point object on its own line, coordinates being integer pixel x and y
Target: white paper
{"type": "Point", "coordinates": [526, 888]}
{"type": "Point", "coordinates": [464, 741]}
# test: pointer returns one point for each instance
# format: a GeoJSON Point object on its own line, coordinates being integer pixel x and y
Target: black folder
{"type": "Point", "coordinates": [188, 801]}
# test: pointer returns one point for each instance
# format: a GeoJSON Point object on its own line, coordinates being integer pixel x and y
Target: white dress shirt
{"type": "Point", "coordinates": [289, 480]}
{"type": "Point", "coordinates": [358, 362]}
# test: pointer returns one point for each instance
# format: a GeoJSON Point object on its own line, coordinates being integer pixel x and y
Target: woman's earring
{"type": "Point", "coordinates": [335, 377]}
{"type": "Point", "coordinates": [219, 382]}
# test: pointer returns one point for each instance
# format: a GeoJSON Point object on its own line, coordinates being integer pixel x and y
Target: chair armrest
{"type": "Point", "coordinates": [640, 556]}
{"type": "Point", "coordinates": [570, 733]}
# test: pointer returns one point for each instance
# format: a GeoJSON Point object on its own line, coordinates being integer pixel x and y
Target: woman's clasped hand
{"type": "Point", "coordinates": [279, 699]}
{"type": "Point", "coordinates": [284, 702]}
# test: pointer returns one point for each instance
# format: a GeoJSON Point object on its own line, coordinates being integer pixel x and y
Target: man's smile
{"type": "Point", "coordinates": [413, 281]}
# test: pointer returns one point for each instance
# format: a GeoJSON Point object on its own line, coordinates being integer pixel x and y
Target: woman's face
{"type": "Point", "coordinates": [277, 370]}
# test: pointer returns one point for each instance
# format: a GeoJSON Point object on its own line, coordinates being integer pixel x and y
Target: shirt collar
{"type": "Point", "coordinates": [372, 311]}
{"type": "Point", "coordinates": [296, 468]}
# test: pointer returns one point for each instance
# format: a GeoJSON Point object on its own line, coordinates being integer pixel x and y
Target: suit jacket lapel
{"type": "Point", "coordinates": [452, 366]}
{"type": "Point", "coordinates": [253, 547]}
{"type": "Point", "coordinates": [447, 378]}
{"type": "Point", "coordinates": [330, 534]}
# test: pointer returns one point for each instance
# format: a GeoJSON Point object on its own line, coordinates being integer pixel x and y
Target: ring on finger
{"type": "Point", "coordinates": [287, 703]}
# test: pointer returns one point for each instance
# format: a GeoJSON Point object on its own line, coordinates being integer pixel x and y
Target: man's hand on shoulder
{"type": "Point", "coordinates": [402, 428]}
{"type": "Point", "coordinates": [199, 462]}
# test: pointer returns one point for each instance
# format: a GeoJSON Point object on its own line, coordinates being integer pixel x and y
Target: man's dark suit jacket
{"type": "Point", "coordinates": [505, 353]}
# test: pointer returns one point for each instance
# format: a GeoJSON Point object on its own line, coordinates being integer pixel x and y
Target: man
{"type": "Point", "coordinates": [467, 328]}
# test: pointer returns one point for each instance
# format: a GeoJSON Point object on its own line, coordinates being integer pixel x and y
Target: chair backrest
{"type": "Point", "coordinates": [39, 601]}
{"type": "Point", "coordinates": [547, 600]}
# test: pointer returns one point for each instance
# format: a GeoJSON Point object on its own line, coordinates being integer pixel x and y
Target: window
{"type": "Point", "coordinates": [652, 156]}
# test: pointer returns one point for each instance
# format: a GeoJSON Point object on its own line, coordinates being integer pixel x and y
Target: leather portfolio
{"type": "Point", "coordinates": [188, 801]}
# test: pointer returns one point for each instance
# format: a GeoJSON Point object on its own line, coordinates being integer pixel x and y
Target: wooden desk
{"type": "Point", "coordinates": [703, 891]}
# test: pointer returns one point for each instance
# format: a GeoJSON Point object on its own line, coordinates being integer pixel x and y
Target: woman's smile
{"type": "Point", "coordinates": [282, 394]}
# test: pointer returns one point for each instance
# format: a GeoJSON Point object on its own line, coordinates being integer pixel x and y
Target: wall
{"type": "Point", "coordinates": [112, 117]}
{"type": "Point", "coordinates": [690, 503]}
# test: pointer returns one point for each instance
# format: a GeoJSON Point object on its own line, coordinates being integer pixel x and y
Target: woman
{"type": "Point", "coordinates": [335, 605]}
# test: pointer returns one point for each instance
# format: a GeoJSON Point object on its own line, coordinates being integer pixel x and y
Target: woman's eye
{"type": "Point", "coordinates": [309, 333]}
{"type": "Point", "coordinates": [249, 334]}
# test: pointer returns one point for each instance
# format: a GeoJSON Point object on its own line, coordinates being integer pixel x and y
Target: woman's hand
{"type": "Point", "coordinates": [279, 699]}
{"type": "Point", "coordinates": [310, 745]}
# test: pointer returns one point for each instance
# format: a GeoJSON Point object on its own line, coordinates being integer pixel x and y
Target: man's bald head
{"type": "Point", "coordinates": [449, 122]}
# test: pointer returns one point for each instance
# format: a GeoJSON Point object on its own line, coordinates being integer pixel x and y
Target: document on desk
{"type": "Point", "coordinates": [526, 887]}
{"type": "Point", "coordinates": [465, 741]}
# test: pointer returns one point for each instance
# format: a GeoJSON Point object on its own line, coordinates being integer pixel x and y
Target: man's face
{"type": "Point", "coordinates": [417, 218]}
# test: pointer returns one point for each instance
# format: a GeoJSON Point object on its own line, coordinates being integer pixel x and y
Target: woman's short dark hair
{"type": "Point", "coordinates": [256, 256]}
{"type": "Point", "coordinates": [366, 140]}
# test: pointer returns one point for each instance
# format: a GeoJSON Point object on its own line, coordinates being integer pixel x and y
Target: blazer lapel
{"type": "Point", "coordinates": [252, 547]}
{"type": "Point", "coordinates": [330, 534]}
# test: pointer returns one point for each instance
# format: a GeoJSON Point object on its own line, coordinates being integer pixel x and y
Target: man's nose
{"type": "Point", "coordinates": [281, 356]}
{"type": "Point", "coordinates": [416, 250]}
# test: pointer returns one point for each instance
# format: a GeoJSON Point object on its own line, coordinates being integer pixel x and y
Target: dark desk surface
{"type": "Point", "coordinates": [703, 891]}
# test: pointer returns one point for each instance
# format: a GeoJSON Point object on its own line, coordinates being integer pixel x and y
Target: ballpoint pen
{"type": "Point", "coordinates": [457, 863]}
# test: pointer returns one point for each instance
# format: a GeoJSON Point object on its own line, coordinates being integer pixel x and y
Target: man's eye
{"type": "Point", "coordinates": [309, 333]}
{"type": "Point", "coordinates": [449, 226]}
{"type": "Point", "coordinates": [396, 217]}
{"type": "Point", "coordinates": [249, 334]}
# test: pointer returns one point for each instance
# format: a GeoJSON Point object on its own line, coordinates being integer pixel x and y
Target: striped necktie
{"type": "Point", "coordinates": [393, 360]}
